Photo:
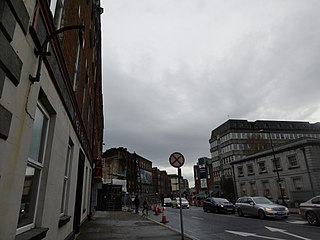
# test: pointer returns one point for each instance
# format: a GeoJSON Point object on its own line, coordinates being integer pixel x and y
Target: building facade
{"type": "Point", "coordinates": [130, 170]}
{"type": "Point", "coordinates": [161, 184]}
{"type": "Point", "coordinates": [174, 182]}
{"type": "Point", "coordinates": [203, 175]}
{"type": "Point", "coordinates": [236, 139]}
{"type": "Point", "coordinates": [290, 172]}
{"type": "Point", "coordinates": [51, 118]}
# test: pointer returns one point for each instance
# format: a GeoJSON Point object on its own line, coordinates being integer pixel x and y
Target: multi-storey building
{"type": "Point", "coordinates": [130, 170]}
{"type": "Point", "coordinates": [203, 175]}
{"type": "Point", "coordinates": [51, 117]}
{"type": "Point", "coordinates": [174, 181]}
{"type": "Point", "coordinates": [289, 172]}
{"type": "Point", "coordinates": [236, 139]}
{"type": "Point", "coordinates": [160, 181]}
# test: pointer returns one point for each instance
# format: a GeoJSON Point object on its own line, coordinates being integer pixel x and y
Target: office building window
{"type": "Point", "coordinates": [297, 183]}
{"type": "Point", "coordinates": [276, 164]}
{"type": "Point", "coordinates": [35, 164]}
{"type": "Point", "coordinates": [240, 171]}
{"type": "Point", "coordinates": [243, 189]}
{"type": "Point", "coordinates": [266, 189]}
{"type": "Point", "coordinates": [253, 189]}
{"type": "Point", "coordinates": [293, 161]}
{"type": "Point", "coordinates": [250, 169]}
{"type": "Point", "coordinates": [262, 167]}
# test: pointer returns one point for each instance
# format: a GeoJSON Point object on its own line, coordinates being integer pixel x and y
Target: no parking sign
{"type": "Point", "coordinates": [176, 159]}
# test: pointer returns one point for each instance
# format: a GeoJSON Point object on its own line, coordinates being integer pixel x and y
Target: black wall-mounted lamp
{"type": "Point", "coordinates": [42, 50]}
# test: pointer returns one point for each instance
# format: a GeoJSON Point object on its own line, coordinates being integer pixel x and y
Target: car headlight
{"type": "Point", "coordinates": [221, 206]}
{"type": "Point", "coordinates": [286, 209]}
{"type": "Point", "coordinates": [268, 209]}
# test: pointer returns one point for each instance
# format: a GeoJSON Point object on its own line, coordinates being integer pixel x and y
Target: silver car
{"type": "Point", "coordinates": [310, 210]}
{"type": "Point", "coordinates": [184, 203]}
{"type": "Point", "coordinates": [261, 207]}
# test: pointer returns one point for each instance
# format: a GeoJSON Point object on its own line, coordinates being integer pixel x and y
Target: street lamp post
{"type": "Point", "coordinates": [276, 166]}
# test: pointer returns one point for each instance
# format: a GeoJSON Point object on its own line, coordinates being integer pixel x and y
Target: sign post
{"type": "Point", "coordinates": [176, 160]}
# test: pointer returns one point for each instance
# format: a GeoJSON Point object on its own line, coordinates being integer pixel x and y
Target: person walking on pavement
{"type": "Point", "coordinates": [136, 203]}
{"type": "Point", "coordinates": [145, 207]}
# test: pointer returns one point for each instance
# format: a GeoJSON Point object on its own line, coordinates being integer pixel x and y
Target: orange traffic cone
{"type": "Point", "coordinates": [164, 217]}
{"type": "Point", "coordinates": [157, 211]}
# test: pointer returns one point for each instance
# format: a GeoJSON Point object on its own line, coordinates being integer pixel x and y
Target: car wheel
{"type": "Point", "coordinates": [240, 213]}
{"type": "Point", "coordinates": [312, 218]}
{"type": "Point", "coordinates": [261, 214]}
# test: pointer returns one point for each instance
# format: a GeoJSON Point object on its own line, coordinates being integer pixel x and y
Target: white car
{"type": "Point", "coordinates": [184, 203]}
{"type": "Point", "coordinates": [167, 202]}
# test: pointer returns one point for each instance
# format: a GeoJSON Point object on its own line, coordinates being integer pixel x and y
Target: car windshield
{"type": "Point", "coordinates": [262, 200]}
{"type": "Point", "coordinates": [221, 200]}
{"type": "Point", "coordinates": [167, 200]}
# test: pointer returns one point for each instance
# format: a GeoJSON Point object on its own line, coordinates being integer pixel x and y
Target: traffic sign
{"type": "Point", "coordinates": [176, 159]}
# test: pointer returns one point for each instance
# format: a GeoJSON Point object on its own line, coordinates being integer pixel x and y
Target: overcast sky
{"type": "Point", "coordinates": [173, 70]}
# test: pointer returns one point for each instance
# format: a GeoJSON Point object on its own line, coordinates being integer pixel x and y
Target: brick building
{"type": "Point", "coordinates": [203, 175]}
{"type": "Point", "coordinates": [51, 115]}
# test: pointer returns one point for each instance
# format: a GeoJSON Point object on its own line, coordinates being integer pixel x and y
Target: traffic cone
{"type": "Point", "coordinates": [156, 212]}
{"type": "Point", "coordinates": [164, 217]}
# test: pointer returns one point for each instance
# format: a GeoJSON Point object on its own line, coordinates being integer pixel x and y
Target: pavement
{"type": "Point", "coordinates": [125, 225]}
{"type": "Point", "coordinates": [128, 225]}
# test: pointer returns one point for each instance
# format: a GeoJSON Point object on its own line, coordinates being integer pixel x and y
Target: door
{"type": "Point", "coordinates": [77, 207]}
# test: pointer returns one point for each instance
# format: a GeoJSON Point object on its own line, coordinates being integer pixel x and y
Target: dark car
{"type": "Point", "coordinates": [310, 210]}
{"type": "Point", "coordinates": [218, 205]}
{"type": "Point", "coordinates": [261, 207]}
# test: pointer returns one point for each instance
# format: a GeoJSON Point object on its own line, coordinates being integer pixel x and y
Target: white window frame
{"type": "Point", "coordinates": [66, 180]}
{"type": "Point", "coordinates": [290, 161]}
{"type": "Point", "coordinates": [38, 165]}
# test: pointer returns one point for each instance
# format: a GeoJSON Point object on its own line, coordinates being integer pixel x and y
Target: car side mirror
{"type": "Point", "coordinates": [251, 203]}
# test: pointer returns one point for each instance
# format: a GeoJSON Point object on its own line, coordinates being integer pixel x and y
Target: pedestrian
{"type": "Point", "coordinates": [137, 203]}
{"type": "Point", "coordinates": [145, 207]}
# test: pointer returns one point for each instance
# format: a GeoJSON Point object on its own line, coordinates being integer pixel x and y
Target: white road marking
{"type": "Point", "coordinates": [244, 234]}
{"type": "Point", "coordinates": [297, 222]}
{"type": "Point", "coordinates": [197, 218]}
{"type": "Point", "coordinates": [285, 232]}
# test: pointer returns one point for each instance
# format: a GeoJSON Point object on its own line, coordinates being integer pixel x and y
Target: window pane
{"type": "Point", "coordinates": [29, 195]}
{"type": "Point", "coordinates": [38, 133]}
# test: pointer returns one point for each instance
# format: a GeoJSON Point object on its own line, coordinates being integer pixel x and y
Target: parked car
{"type": "Point", "coordinates": [218, 205]}
{"type": "Point", "coordinates": [184, 203]}
{"type": "Point", "coordinates": [310, 210]}
{"type": "Point", "coordinates": [261, 207]}
{"type": "Point", "coordinates": [167, 202]}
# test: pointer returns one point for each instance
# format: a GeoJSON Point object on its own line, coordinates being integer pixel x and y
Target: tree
{"type": "Point", "coordinates": [227, 189]}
